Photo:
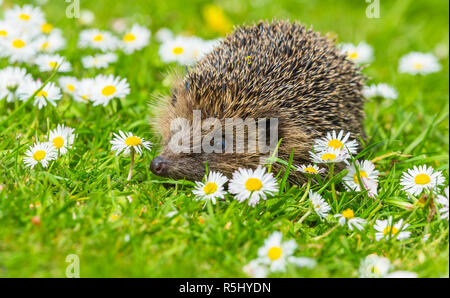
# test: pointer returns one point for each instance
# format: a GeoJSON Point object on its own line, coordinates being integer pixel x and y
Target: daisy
{"type": "Point", "coordinates": [62, 138]}
{"type": "Point", "coordinates": [337, 142]}
{"type": "Point", "coordinates": [50, 93]}
{"type": "Point", "coordinates": [40, 153]}
{"type": "Point", "coordinates": [310, 169]}
{"type": "Point", "coordinates": [348, 216]}
{"type": "Point", "coordinates": [176, 50]}
{"type": "Point", "coordinates": [106, 88]}
{"type": "Point", "coordinates": [98, 61]}
{"type": "Point", "coordinates": [84, 90]}
{"type": "Point", "coordinates": [443, 200]}
{"type": "Point", "coordinates": [51, 43]}
{"type": "Point", "coordinates": [380, 90]}
{"type": "Point", "coordinates": [329, 156]}
{"type": "Point", "coordinates": [51, 62]}
{"type": "Point", "coordinates": [387, 229]}
{"type": "Point", "coordinates": [96, 39]}
{"type": "Point", "coordinates": [10, 79]}
{"type": "Point", "coordinates": [135, 39]}
{"type": "Point", "coordinates": [126, 141]}
{"type": "Point", "coordinates": [196, 49]}
{"type": "Point", "coordinates": [46, 28]}
{"type": "Point", "coordinates": [19, 48]}
{"type": "Point", "coordinates": [255, 270]}
{"type": "Point", "coordinates": [362, 53]}
{"type": "Point", "coordinates": [6, 29]}
{"type": "Point", "coordinates": [27, 18]}
{"type": "Point", "coordinates": [401, 274]}
{"type": "Point", "coordinates": [367, 174]}
{"type": "Point", "coordinates": [419, 63]}
{"type": "Point", "coordinates": [212, 188]}
{"type": "Point", "coordinates": [320, 206]}
{"type": "Point", "coordinates": [415, 180]}
{"type": "Point", "coordinates": [275, 253]}
{"type": "Point", "coordinates": [87, 17]}
{"type": "Point", "coordinates": [374, 266]}
{"type": "Point", "coordinates": [68, 84]}
{"type": "Point", "coordinates": [252, 185]}
{"type": "Point", "coordinates": [163, 35]}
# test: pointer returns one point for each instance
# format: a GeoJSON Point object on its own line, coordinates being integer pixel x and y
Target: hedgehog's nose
{"type": "Point", "coordinates": [158, 166]}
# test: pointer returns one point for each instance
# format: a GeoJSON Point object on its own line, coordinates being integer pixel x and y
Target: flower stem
{"type": "Point", "coordinates": [304, 216]}
{"type": "Point", "coordinates": [308, 186]}
{"type": "Point", "coordinates": [333, 187]}
{"type": "Point", "coordinates": [130, 173]}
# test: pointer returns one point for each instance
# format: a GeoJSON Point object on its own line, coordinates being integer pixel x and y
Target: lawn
{"type": "Point", "coordinates": [82, 203]}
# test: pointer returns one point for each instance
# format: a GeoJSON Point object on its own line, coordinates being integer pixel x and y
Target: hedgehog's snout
{"type": "Point", "coordinates": [159, 166]}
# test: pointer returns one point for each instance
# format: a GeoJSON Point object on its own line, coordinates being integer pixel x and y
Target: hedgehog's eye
{"type": "Point", "coordinates": [223, 145]}
{"type": "Point", "coordinates": [219, 145]}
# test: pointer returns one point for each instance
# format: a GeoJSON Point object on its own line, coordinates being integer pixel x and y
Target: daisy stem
{"type": "Point", "coordinates": [304, 216]}
{"type": "Point", "coordinates": [130, 173]}
{"type": "Point", "coordinates": [308, 186]}
{"type": "Point", "coordinates": [333, 188]}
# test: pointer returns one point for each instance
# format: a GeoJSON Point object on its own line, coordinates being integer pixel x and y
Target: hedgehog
{"type": "Point", "coordinates": [278, 70]}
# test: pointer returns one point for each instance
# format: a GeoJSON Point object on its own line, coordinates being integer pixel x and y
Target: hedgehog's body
{"type": "Point", "coordinates": [277, 70]}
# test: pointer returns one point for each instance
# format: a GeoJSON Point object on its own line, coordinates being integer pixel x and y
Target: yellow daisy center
{"type": "Point", "coordinates": [46, 28]}
{"type": "Point", "coordinates": [109, 90]}
{"type": "Point", "coordinates": [45, 45]}
{"type": "Point", "coordinates": [310, 170]}
{"type": "Point", "coordinates": [390, 230]}
{"type": "Point", "coordinates": [210, 188]}
{"type": "Point", "coordinates": [70, 87]}
{"type": "Point", "coordinates": [422, 179]}
{"type": "Point", "coordinates": [3, 33]}
{"type": "Point", "coordinates": [58, 142]}
{"type": "Point", "coordinates": [348, 214]}
{"type": "Point", "coordinates": [178, 50]}
{"type": "Point", "coordinates": [133, 141]}
{"type": "Point", "coordinates": [24, 17]}
{"type": "Point", "coordinates": [353, 55]}
{"type": "Point", "coordinates": [418, 66]}
{"type": "Point", "coordinates": [274, 253]}
{"type": "Point", "coordinates": [361, 174]}
{"type": "Point", "coordinates": [376, 269]}
{"type": "Point", "coordinates": [253, 184]}
{"type": "Point", "coordinates": [329, 156]}
{"type": "Point", "coordinates": [335, 143]}
{"type": "Point", "coordinates": [42, 93]}
{"type": "Point", "coordinates": [39, 155]}
{"type": "Point", "coordinates": [53, 64]}
{"type": "Point", "coordinates": [18, 43]}
{"type": "Point", "coordinates": [129, 37]}
{"type": "Point", "coordinates": [98, 37]}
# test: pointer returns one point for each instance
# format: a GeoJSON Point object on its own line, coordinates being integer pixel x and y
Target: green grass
{"type": "Point", "coordinates": [196, 242]}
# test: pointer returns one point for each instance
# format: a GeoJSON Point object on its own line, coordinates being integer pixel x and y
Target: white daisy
{"type": "Point", "coordinates": [47, 28]}
{"type": "Point", "coordinates": [125, 141]}
{"type": "Point", "coordinates": [255, 270]}
{"type": "Point", "coordinates": [367, 174]}
{"type": "Point", "coordinates": [106, 88]}
{"type": "Point", "coordinates": [68, 84]}
{"type": "Point", "coordinates": [320, 206]}
{"type": "Point", "coordinates": [252, 185]}
{"type": "Point", "coordinates": [387, 229]}
{"type": "Point", "coordinates": [310, 169]}
{"type": "Point", "coordinates": [40, 153]}
{"type": "Point", "coordinates": [176, 50]}
{"type": "Point", "coordinates": [51, 43]}
{"type": "Point", "coordinates": [419, 63]}
{"type": "Point", "coordinates": [51, 62]}
{"type": "Point", "coordinates": [10, 79]}
{"type": "Point", "coordinates": [380, 90]}
{"type": "Point", "coordinates": [348, 216]}
{"type": "Point", "coordinates": [362, 53]}
{"type": "Point", "coordinates": [275, 253]}
{"type": "Point", "coordinates": [19, 48]}
{"type": "Point", "coordinates": [96, 39]}
{"type": "Point", "coordinates": [50, 93]}
{"type": "Point", "coordinates": [443, 200]}
{"type": "Point", "coordinates": [84, 90]}
{"type": "Point", "coordinates": [415, 180]}
{"type": "Point", "coordinates": [401, 274]}
{"type": "Point", "coordinates": [336, 141]}
{"type": "Point", "coordinates": [329, 156]}
{"type": "Point", "coordinates": [196, 49]}
{"type": "Point", "coordinates": [98, 61]}
{"type": "Point", "coordinates": [6, 29]}
{"type": "Point", "coordinates": [62, 138]}
{"type": "Point", "coordinates": [135, 39]}
{"type": "Point", "coordinates": [87, 17]}
{"type": "Point", "coordinates": [212, 189]}
{"type": "Point", "coordinates": [163, 35]}
{"type": "Point", "coordinates": [374, 266]}
{"type": "Point", "coordinates": [27, 18]}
